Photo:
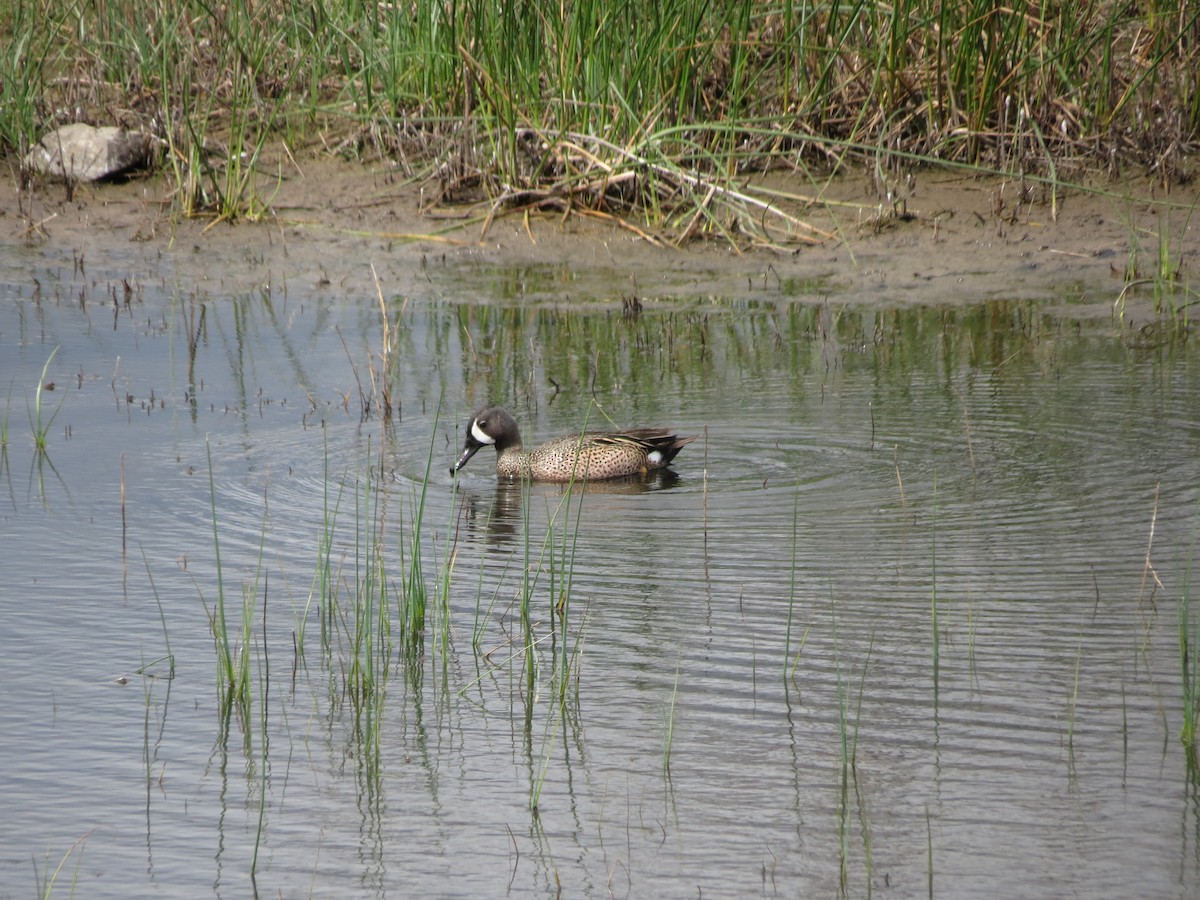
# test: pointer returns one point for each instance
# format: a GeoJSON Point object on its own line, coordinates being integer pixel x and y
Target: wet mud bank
{"type": "Point", "coordinates": [952, 239]}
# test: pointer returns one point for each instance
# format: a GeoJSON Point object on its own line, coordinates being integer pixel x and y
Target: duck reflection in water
{"type": "Point", "coordinates": [496, 516]}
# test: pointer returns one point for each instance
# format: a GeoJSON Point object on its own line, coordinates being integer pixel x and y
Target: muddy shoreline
{"type": "Point", "coordinates": [958, 239]}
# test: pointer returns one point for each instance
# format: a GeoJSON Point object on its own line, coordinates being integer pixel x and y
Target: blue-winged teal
{"type": "Point", "coordinates": [593, 455]}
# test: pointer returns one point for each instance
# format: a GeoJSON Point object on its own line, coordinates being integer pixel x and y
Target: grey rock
{"type": "Point", "coordinates": [82, 152]}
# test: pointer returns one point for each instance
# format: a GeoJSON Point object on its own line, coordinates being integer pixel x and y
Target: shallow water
{"type": "Point", "coordinates": [758, 698]}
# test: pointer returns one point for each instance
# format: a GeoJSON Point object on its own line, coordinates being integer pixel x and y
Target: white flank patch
{"type": "Point", "coordinates": [480, 435]}
{"type": "Point", "coordinates": [654, 457]}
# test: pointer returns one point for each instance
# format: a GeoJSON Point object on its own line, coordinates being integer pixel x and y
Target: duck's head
{"type": "Point", "coordinates": [492, 426]}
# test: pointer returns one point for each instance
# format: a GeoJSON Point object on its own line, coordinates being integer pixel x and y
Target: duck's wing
{"type": "Point", "coordinates": [651, 440]}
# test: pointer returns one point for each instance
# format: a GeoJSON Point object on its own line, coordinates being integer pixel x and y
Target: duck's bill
{"type": "Point", "coordinates": [468, 451]}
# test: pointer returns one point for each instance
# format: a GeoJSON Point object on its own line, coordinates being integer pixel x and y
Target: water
{"type": "Point", "coordinates": [752, 704]}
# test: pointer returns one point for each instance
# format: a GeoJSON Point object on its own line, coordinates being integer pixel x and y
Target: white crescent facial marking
{"type": "Point", "coordinates": [480, 435]}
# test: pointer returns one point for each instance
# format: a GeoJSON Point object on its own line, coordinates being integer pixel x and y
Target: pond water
{"type": "Point", "coordinates": [907, 619]}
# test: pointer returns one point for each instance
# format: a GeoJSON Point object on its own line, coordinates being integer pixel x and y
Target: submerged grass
{"type": "Point", "coordinates": [5, 468]}
{"type": "Point", "coordinates": [602, 108]}
{"type": "Point", "coordinates": [1188, 627]}
{"type": "Point", "coordinates": [170, 656]}
{"type": "Point", "coordinates": [850, 788]}
{"type": "Point", "coordinates": [789, 667]}
{"type": "Point", "coordinates": [1073, 706]}
{"type": "Point", "coordinates": [935, 633]}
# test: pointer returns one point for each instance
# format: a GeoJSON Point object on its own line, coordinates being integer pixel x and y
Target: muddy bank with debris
{"type": "Point", "coordinates": [951, 239]}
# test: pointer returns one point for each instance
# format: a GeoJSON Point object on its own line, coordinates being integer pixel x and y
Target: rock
{"type": "Point", "coordinates": [82, 152]}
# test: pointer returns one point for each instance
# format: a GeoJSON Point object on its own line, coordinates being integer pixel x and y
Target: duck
{"type": "Point", "coordinates": [591, 455]}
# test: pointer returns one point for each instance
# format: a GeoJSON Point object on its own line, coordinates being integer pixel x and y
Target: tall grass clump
{"type": "Point", "coordinates": [30, 42]}
{"type": "Point", "coordinates": [352, 593]}
{"type": "Point", "coordinates": [233, 656]}
{"type": "Point", "coordinates": [369, 636]}
{"type": "Point", "coordinates": [602, 108]}
{"type": "Point", "coordinates": [567, 645]}
{"type": "Point", "coordinates": [556, 556]}
{"type": "Point", "coordinates": [414, 593]}
{"type": "Point", "coordinates": [324, 585]}
{"type": "Point", "coordinates": [47, 881]}
{"type": "Point", "coordinates": [1171, 293]}
{"type": "Point", "coordinates": [39, 421]}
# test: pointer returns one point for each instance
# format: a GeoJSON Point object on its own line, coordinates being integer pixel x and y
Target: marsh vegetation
{"type": "Point", "coordinates": [652, 113]}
